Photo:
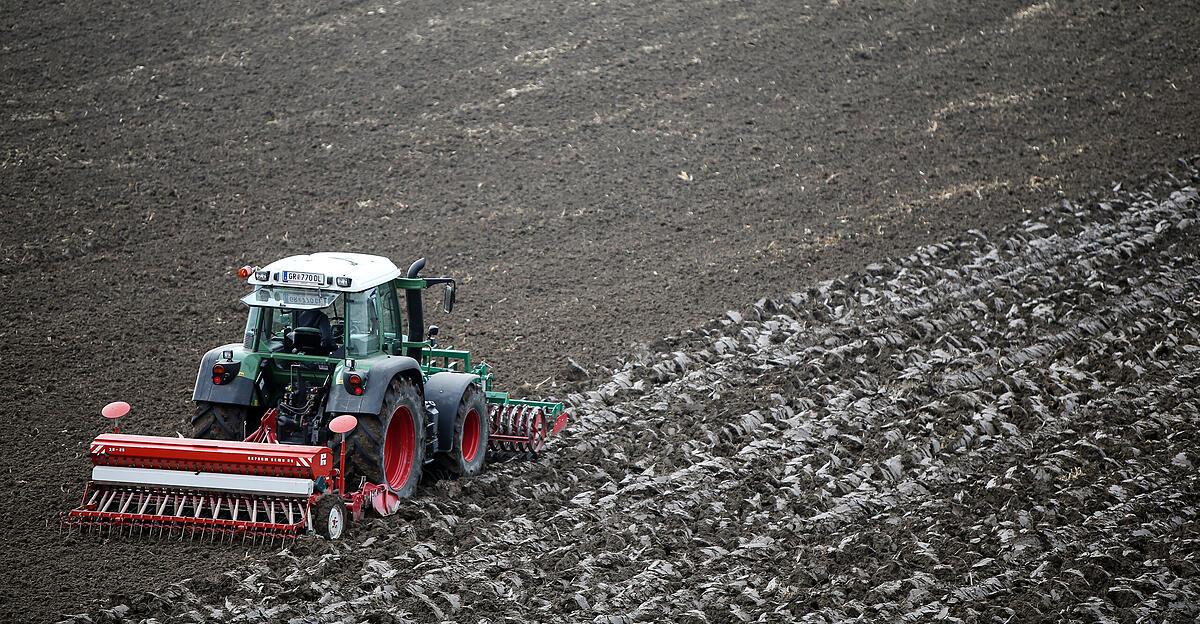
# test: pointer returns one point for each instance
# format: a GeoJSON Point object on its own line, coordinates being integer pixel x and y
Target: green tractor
{"type": "Point", "coordinates": [325, 337]}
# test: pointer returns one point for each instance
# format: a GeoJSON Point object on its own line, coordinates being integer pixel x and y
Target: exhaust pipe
{"type": "Point", "coordinates": [416, 316]}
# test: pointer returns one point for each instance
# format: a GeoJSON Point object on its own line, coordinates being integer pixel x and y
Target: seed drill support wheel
{"type": "Point", "coordinates": [329, 517]}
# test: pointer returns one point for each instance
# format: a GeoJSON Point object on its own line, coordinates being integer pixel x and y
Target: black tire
{"type": "Point", "coordinates": [366, 445]}
{"type": "Point", "coordinates": [329, 517]}
{"type": "Point", "coordinates": [219, 421]}
{"type": "Point", "coordinates": [455, 461]}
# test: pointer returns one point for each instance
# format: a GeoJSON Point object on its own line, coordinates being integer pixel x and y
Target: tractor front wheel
{"type": "Point", "coordinates": [471, 426]}
{"type": "Point", "coordinates": [388, 448]}
{"type": "Point", "coordinates": [219, 421]}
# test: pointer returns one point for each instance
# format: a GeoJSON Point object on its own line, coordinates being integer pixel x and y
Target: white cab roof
{"type": "Point", "coordinates": [321, 270]}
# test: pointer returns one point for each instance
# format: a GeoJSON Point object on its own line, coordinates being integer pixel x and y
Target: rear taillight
{"type": "Point", "coordinates": [224, 372]}
{"type": "Point", "coordinates": [355, 383]}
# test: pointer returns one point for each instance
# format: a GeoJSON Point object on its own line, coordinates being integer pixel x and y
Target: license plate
{"type": "Point", "coordinates": [301, 299]}
{"type": "Point", "coordinates": [298, 277]}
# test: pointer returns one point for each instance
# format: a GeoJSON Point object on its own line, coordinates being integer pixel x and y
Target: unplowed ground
{"type": "Point", "coordinates": [597, 175]}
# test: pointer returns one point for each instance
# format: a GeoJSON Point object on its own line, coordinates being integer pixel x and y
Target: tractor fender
{"type": "Point", "coordinates": [378, 377]}
{"type": "Point", "coordinates": [446, 390]}
{"type": "Point", "coordinates": [239, 391]}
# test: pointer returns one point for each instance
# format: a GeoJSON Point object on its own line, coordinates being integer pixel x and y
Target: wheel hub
{"type": "Point", "coordinates": [336, 522]}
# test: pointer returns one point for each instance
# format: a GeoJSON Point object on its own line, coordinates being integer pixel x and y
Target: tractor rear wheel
{"type": "Point", "coordinates": [471, 426]}
{"type": "Point", "coordinates": [388, 448]}
{"type": "Point", "coordinates": [219, 421]}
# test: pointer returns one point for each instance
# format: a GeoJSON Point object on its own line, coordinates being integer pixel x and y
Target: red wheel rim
{"type": "Point", "coordinates": [470, 436]}
{"type": "Point", "coordinates": [398, 448]}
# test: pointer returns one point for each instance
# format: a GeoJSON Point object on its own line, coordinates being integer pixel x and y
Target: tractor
{"type": "Point", "coordinates": [328, 406]}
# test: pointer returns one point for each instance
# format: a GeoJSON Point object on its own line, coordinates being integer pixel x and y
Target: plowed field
{"type": "Point", "coordinates": [997, 424]}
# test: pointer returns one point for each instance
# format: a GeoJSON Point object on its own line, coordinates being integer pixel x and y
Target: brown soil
{"type": "Point", "coordinates": [596, 175]}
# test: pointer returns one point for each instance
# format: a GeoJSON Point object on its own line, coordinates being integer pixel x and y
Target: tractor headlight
{"type": "Point", "coordinates": [343, 282]}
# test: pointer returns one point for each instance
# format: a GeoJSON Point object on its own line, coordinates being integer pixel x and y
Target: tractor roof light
{"type": "Point", "coordinates": [262, 276]}
{"type": "Point", "coordinates": [245, 272]}
{"type": "Point", "coordinates": [344, 282]}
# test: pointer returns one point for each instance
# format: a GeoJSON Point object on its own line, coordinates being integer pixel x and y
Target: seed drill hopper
{"type": "Point", "coordinates": [327, 408]}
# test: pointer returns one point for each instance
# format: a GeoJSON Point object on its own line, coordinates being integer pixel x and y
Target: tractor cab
{"type": "Point", "coordinates": [327, 305]}
{"type": "Point", "coordinates": [337, 325]}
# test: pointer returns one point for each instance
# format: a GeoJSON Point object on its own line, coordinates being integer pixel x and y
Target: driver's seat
{"type": "Point", "coordinates": [313, 334]}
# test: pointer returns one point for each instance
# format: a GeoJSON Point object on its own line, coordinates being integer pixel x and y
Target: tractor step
{"type": "Point", "coordinates": [431, 431]}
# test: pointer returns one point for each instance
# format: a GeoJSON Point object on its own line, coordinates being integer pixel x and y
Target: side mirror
{"type": "Point", "coordinates": [448, 298]}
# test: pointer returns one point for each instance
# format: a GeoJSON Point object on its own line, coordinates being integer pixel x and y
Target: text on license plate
{"type": "Point", "coordinates": [298, 277]}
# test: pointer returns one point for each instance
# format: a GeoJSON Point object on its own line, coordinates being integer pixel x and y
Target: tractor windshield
{"type": "Point", "coordinates": [312, 322]}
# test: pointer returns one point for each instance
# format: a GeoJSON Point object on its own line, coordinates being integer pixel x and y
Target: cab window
{"type": "Point", "coordinates": [389, 309]}
{"type": "Point", "coordinates": [363, 329]}
{"type": "Point", "coordinates": [271, 326]}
